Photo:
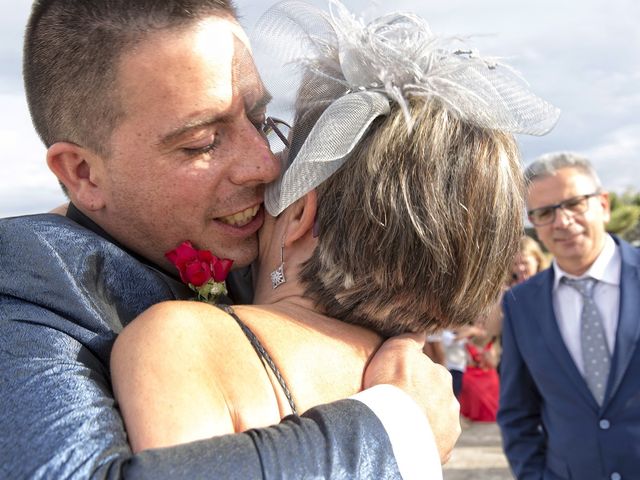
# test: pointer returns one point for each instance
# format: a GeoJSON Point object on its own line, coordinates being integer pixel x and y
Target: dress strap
{"type": "Point", "coordinates": [262, 354]}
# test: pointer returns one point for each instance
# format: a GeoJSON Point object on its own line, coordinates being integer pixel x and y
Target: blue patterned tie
{"type": "Point", "coordinates": [595, 351]}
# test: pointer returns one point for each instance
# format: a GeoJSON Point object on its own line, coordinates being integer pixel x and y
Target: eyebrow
{"type": "Point", "coordinates": [172, 136]}
{"type": "Point", "coordinates": [262, 102]}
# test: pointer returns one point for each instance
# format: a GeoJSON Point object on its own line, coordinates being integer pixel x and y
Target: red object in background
{"type": "Point", "coordinates": [480, 390]}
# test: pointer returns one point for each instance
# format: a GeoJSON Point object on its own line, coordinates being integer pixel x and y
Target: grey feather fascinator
{"type": "Point", "coordinates": [351, 72]}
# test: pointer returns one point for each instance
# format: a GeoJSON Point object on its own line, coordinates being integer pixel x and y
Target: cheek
{"type": "Point", "coordinates": [546, 236]}
{"type": "Point", "coordinates": [192, 188]}
{"type": "Point", "coordinates": [160, 207]}
{"type": "Point", "coordinates": [595, 222]}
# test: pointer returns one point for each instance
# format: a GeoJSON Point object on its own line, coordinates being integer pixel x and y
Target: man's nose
{"type": "Point", "coordinates": [563, 218]}
{"type": "Point", "coordinates": [255, 163]}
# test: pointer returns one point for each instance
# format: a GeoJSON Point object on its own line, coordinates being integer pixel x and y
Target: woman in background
{"type": "Point", "coordinates": [480, 381]}
{"type": "Point", "coordinates": [528, 261]}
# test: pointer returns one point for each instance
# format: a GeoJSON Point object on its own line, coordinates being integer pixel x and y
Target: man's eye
{"type": "Point", "coordinates": [573, 203]}
{"type": "Point", "coordinates": [543, 213]}
{"type": "Point", "coordinates": [195, 150]}
{"type": "Point", "coordinates": [260, 124]}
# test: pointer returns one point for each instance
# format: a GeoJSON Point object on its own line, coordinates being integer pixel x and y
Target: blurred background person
{"type": "Point", "coordinates": [481, 343]}
{"type": "Point", "coordinates": [448, 348]}
{"type": "Point", "coordinates": [478, 396]}
{"type": "Point", "coordinates": [529, 260]}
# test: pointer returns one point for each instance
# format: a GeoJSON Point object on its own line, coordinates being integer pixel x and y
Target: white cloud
{"type": "Point", "coordinates": [617, 156]}
{"type": "Point", "coordinates": [26, 184]}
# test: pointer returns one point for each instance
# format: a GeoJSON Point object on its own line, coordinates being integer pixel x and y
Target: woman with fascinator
{"type": "Point", "coordinates": [399, 212]}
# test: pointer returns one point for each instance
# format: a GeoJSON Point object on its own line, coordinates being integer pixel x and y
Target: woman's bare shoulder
{"type": "Point", "coordinates": [196, 364]}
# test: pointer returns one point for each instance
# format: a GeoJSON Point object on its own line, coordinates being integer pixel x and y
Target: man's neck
{"type": "Point", "coordinates": [576, 269]}
{"type": "Point", "coordinates": [580, 267]}
{"type": "Point", "coordinates": [80, 218]}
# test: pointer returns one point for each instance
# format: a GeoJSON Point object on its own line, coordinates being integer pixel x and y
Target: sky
{"type": "Point", "coordinates": [582, 56]}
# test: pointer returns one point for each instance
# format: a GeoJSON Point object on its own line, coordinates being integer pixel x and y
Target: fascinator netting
{"type": "Point", "coordinates": [354, 71]}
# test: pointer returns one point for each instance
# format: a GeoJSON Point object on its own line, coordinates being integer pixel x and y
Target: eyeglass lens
{"type": "Point", "coordinates": [277, 133]}
{"type": "Point", "coordinates": [546, 215]}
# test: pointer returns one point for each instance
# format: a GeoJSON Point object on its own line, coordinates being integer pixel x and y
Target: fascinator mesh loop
{"type": "Point", "coordinates": [337, 74]}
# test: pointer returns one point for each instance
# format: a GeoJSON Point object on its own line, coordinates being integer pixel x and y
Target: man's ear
{"type": "Point", "coordinates": [77, 169]}
{"type": "Point", "coordinates": [302, 216]}
{"type": "Point", "coordinates": [606, 206]}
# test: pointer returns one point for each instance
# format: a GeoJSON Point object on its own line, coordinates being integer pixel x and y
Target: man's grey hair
{"type": "Point", "coordinates": [547, 165]}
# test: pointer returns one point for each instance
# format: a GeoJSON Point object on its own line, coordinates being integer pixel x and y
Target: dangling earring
{"type": "Point", "coordinates": [277, 276]}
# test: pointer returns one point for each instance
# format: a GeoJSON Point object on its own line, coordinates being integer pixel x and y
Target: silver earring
{"type": "Point", "coordinates": [277, 276]}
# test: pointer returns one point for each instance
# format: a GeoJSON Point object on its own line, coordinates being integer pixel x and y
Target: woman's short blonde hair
{"type": "Point", "coordinates": [417, 229]}
{"type": "Point", "coordinates": [529, 246]}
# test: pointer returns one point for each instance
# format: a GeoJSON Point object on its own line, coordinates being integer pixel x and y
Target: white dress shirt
{"type": "Point", "coordinates": [567, 302]}
{"type": "Point", "coordinates": [410, 434]}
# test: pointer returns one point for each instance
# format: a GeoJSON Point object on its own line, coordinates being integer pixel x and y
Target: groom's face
{"type": "Point", "coordinates": [188, 161]}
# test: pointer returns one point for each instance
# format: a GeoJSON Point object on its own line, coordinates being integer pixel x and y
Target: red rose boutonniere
{"type": "Point", "coordinates": [201, 270]}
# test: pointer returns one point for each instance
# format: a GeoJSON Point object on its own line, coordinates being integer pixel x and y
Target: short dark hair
{"type": "Point", "coordinates": [71, 52]}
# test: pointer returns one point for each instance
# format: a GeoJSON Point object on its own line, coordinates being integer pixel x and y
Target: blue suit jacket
{"type": "Point", "coordinates": [551, 425]}
{"type": "Point", "coordinates": [65, 293]}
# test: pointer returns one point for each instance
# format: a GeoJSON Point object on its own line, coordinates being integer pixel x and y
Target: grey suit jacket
{"type": "Point", "coordinates": [65, 293]}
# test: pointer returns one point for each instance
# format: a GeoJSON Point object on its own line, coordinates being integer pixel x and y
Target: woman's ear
{"type": "Point", "coordinates": [302, 216]}
{"type": "Point", "coordinates": [77, 169]}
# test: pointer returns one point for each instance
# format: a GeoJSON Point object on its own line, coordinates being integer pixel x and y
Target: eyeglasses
{"type": "Point", "coordinates": [276, 132]}
{"type": "Point", "coordinates": [574, 206]}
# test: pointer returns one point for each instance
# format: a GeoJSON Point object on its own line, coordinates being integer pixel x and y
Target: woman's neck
{"type": "Point", "coordinates": [296, 331]}
{"type": "Point", "coordinates": [321, 358]}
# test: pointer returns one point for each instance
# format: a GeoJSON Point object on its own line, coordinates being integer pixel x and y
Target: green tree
{"type": "Point", "coordinates": [625, 215]}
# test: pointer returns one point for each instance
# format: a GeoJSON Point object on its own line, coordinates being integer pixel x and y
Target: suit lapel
{"type": "Point", "coordinates": [628, 330]}
{"type": "Point", "coordinates": [551, 333]}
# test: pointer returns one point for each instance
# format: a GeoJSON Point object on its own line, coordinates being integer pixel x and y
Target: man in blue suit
{"type": "Point", "coordinates": [570, 378]}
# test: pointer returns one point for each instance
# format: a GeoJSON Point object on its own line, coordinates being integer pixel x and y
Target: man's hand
{"type": "Point", "coordinates": [400, 362]}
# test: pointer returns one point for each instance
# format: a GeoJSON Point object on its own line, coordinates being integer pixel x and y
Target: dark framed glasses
{"type": "Point", "coordinates": [276, 132]}
{"type": "Point", "coordinates": [574, 206]}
